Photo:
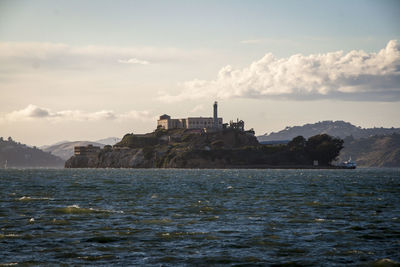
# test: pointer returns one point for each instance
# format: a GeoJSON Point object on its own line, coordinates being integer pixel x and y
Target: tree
{"type": "Point", "coordinates": [297, 144]}
{"type": "Point", "coordinates": [297, 150]}
{"type": "Point", "coordinates": [324, 148]}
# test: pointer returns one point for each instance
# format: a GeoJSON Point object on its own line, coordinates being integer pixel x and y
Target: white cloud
{"type": "Point", "coordinates": [355, 75]}
{"type": "Point", "coordinates": [16, 57]}
{"type": "Point", "coordinates": [33, 112]}
{"type": "Point", "coordinates": [133, 61]}
{"type": "Point", "coordinates": [30, 111]}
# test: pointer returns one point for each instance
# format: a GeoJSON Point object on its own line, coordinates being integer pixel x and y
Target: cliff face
{"type": "Point", "coordinates": [118, 158]}
{"type": "Point", "coordinates": [182, 158]}
{"type": "Point", "coordinates": [168, 149]}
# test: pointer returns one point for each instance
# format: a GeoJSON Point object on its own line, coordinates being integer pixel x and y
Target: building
{"type": "Point", "coordinates": [214, 122]}
{"type": "Point", "coordinates": [189, 123]}
{"type": "Point", "coordinates": [215, 118]}
{"type": "Point", "coordinates": [88, 150]}
{"type": "Point", "coordinates": [238, 125]}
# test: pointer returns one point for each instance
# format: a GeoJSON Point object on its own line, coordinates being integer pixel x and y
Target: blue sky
{"type": "Point", "coordinates": [134, 60]}
{"type": "Point", "coordinates": [189, 23]}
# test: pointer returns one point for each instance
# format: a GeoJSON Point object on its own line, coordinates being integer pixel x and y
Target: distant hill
{"type": "Point", "coordinates": [109, 141]}
{"type": "Point", "coordinates": [374, 151]}
{"type": "Point", "coordinates": [20, 155]}
{"type": "Point", "coordinates": [340, 129]}
{"type": "Point", "coordinates": [66, 150]}
{"type": "Point", "coordinates": [58, 143]}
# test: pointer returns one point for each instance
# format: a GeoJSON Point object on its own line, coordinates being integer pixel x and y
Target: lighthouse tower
{"type": "Point", "coordinates": [215, 115]}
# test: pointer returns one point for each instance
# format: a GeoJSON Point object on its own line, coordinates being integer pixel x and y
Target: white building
{"type": "Point", "coordinates": [166, 122]}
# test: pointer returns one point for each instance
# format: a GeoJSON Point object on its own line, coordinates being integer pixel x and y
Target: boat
{"type": "Point", "coordinates": [348, 164]}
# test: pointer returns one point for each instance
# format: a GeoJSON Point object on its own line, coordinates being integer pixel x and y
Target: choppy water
{"type": "Point", "coordinates": [199, 217]}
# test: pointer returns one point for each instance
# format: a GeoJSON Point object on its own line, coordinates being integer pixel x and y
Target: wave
{"type": "Point", "coordinates": [9, 235]}
{"type": "Point", "coordinates": [75, 209]}
{"type": "Point", "coordinates": [27, 198]}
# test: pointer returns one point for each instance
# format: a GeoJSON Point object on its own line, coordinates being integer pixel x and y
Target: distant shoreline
{"type": "Point", "coordinates": [244, 167]}
{"type": "Point", "coordinates": [300, 167]}
{"type": "Point", "coordinates": [233, 168]}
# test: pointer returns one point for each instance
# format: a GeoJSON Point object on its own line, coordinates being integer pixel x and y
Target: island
{"type": "Point", "coordinates": [229, 148]}
{"type": "Point", "coordinates": [206, 142]}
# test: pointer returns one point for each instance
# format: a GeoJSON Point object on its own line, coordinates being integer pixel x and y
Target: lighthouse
{"type": "Point", "coordinates": [215, 115]}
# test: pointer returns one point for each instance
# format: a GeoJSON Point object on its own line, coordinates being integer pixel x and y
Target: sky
{"type": "Point", "coordinates": [87, 70]}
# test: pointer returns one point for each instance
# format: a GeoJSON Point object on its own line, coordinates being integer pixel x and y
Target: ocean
{"type": "Point", "coordinates": [170, 217]}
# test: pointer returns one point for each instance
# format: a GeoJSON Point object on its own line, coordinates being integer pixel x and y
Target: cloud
{"type": "Point", "coordinates": [17, 57]}
{"type": "Point", "coordinates": [133, 61]}
{"type": "Point", "coordinates": [33, 112]}
{"type": "Point", "coordinates": [355, 75]}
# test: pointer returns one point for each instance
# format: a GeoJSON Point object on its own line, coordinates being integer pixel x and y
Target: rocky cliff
{"type": "Point", "coordinates": [176, 148]}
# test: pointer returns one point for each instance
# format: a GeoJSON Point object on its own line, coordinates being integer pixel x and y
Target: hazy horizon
{"type": "Point", "coordinates": [72, 70]}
